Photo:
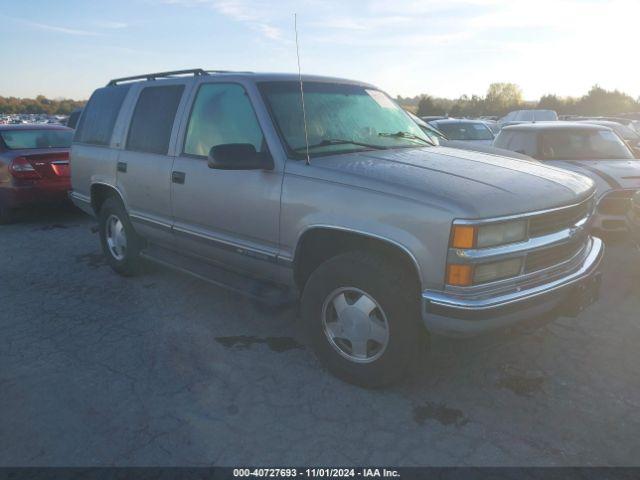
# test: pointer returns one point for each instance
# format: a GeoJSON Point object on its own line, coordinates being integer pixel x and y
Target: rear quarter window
{"type": "Point", "coordinates": [100, 114]}
{"type": "Point", "coordinates": [153, 118]}
{"type": "Point", "coordinates": [503, 139]}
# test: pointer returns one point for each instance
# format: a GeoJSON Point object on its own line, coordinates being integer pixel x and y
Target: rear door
{"type": "Point", "coordinates": [144, 164]}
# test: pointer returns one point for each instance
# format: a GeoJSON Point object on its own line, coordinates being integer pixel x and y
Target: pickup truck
{"type": "Point", "coordinates": [335, 199]}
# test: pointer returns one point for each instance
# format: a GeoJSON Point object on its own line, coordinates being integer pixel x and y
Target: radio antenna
{"type": "Point", "coordinates": [304, 112]}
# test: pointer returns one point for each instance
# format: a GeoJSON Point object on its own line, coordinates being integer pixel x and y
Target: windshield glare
{"type": "Point", "coordinates": [583, 145]}
{"type": "Point", "coordinates": [465, 131]}
{"type": "Point", "coordinates": [339, 112]}
{"type": "Point", "coordinates": [33, 139]}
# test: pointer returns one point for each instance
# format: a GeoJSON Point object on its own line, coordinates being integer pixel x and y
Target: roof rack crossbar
{"type": "Point", "coordinates": [196, 72]}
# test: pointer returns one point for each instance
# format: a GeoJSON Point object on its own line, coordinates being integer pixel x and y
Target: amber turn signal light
{"type": "Point", "coordinates": [460, 275]}
{"type": "Point", "coordinates": [463, 236]}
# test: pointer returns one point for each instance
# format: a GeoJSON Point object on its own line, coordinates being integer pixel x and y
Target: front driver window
{"type": "Point", "coordinates": [221, 114]}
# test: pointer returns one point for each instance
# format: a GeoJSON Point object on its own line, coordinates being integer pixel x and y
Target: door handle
{"type": "Point", "coordinates": [122, 167]}
{"type": "Point", "coordinates": [177, 177]}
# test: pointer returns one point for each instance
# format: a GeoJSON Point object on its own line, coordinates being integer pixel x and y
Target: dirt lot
{"type": "Point", "coordinates": [163, 369]}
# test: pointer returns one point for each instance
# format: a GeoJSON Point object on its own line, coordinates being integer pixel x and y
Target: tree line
{"type": "Point", "coordinates": [40, 104]}
{"type": "Point", "coordinates": [502, 98]}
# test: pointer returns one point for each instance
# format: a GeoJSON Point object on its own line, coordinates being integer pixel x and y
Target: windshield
{"type": "Point", "coordinates": [583, 145]}
{"type": "Point", "coordinates": [465, 131]}
{"type": "Point", "coordinates": [338, 114]}
{"type": "Point", "coordinates": [31, 139]}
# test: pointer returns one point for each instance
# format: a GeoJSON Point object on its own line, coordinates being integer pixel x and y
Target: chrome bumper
{"type": "Point", "coordinates": [455, 315]}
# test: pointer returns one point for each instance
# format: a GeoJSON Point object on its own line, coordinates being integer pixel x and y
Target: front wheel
{"type": "Point", "coordinates": [120, 243]}
{"type": "Point", "coordinates": [361, 315]}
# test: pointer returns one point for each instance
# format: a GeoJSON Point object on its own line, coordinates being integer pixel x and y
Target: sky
{"type": "Point", "coordinates": [67, 48]}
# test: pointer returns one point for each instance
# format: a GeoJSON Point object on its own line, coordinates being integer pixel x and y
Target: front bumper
{"type": "Point", "coordinates": [452, 315]}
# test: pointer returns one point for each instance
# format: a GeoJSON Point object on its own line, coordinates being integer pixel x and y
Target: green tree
{"type": "Point", "coordinates": [599, 101]}
{"type": "Point", "coordinates": [502, 97]}
{"type": "Point", "coordinates": [427, 106]}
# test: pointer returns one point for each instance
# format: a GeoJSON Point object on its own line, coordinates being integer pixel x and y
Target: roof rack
{"type": "Point", "coordinates": [196, 72]}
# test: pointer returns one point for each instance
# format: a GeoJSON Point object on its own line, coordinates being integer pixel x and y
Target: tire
{"type": "Point", "coordinates": [114, 227]}
{"type": "Point", "coordinates": [392, 303]}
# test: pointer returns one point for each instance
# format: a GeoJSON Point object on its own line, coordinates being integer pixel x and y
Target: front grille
{"type": "Point", "coordinates": [546, 223]}
{"type": "Point", "coordinates": [616, 203]}
{"type": "Point", "coordinates": [549, 257]}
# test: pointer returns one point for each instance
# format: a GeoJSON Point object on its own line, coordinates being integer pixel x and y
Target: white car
{"type": "Point", "coordinates": [592, 150]}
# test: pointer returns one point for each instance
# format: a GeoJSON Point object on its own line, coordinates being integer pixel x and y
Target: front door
{"type": "Point", "coordinates": [228, 216]}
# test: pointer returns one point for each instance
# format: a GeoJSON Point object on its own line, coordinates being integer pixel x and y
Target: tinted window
{"type": "Point", "coordinates": [152, 120]}
{"type": "Point", "coordinates": [465, 130]}
{"type": "Point", "coordinates": [29, 139]}
{"type": "Point", "coordinates": [221, 114]}
{"type": "Point", "coordinates": [524, 116]}
{"type": "Point", "coordinates": [99, 116]}
{"type": "Point", "coordinates": [502, 139]}
{"type": "Point", "coordinates": [521, 142]}
{"type": "Point", "coordinates": [545, 115]}
{"type": "Point", "coordinates": [583, 145]}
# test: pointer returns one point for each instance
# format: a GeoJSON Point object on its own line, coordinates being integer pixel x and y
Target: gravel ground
{"type": "Point", "coordinates": [163, 369]}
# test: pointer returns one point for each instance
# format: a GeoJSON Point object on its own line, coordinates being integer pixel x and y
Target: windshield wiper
{"type": "Point", "coordinates": [338, 141]}
{"type": "Point", "coordinates": [407, 135]}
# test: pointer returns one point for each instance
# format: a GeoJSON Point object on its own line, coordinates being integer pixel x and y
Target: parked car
{"type": "Point", "coordinates": [381, 234]}
{"type": "Point", "coordinates": [430, 118]}
{"type": "Point", "coordinates": [627, 122]}
{"type": "Point", "coordinates": [34, 166]}
{"type": "Point", "coordinates": [472, 131]}
{"type": "Point", "coordinates": [592, 150]}
{"type": "Point", "coordinates": [439, 138]}
{"type": "Point", "coordinates": [527, 116]}
{"type": "Point", "coordinates": [634, 217]}
{"type": "Point", "coordinates": [627, 134]}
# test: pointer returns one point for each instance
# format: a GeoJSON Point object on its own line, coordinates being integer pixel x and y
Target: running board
{"type": "Point", "coordinates": [265, 292]}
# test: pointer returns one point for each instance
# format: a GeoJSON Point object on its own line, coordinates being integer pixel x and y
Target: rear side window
{"type": "Point", "coordinates": [152, 121]}
{"type": "Point", "coordinates": [100, 114]}
{"type": "Point", "coordinates": [503, 139]}
{"type": "Point", "coordinates": [521, 142]}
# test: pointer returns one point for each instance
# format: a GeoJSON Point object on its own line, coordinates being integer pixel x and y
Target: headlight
{"type": "Point", "coordinates": [490, 235]}
{"type": "Point", "coordinates": [501, 233]}
{"type": "Point", "coordinates": [490, 272]}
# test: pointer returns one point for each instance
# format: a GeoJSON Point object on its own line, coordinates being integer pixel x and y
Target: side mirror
{"type": "Point", "coordinates": [238, 156]}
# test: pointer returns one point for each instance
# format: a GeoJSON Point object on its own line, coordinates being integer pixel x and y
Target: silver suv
{"type": "Point", "coordinates": [381, 234]}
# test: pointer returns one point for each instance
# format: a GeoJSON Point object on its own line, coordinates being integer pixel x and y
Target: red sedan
{"type": "Point", "coordinates": [34, 166]}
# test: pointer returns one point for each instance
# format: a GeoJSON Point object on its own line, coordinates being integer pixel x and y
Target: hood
{"type": "Point", "coordinates": [607, 174]}
{"type": "Point", "coordinates": [477, 185]}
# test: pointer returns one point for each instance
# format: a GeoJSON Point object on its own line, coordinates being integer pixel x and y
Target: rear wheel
{"type": "Point", "coordinates": [120, 243]}
{"type": "Point", "coordinates": [361, 315]}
